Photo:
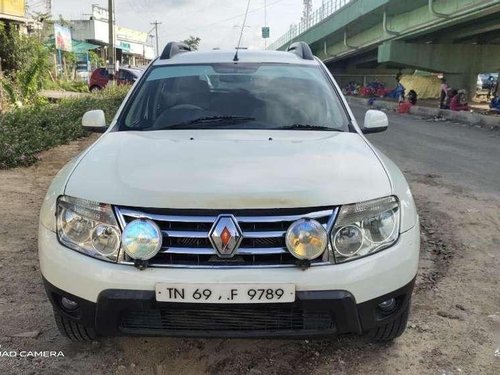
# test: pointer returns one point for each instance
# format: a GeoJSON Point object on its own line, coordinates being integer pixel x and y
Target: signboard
{"type": "Point", "coordinates": [129, 35]}
{"type": "Point", "coordinates": [62, 37]}
{"type": "Point", "coordinates": [12, 7]}
{"type": "Point", "coordinates": [99, 13]}
{"type": "Point", "coordinates": [124, 46]}
{"type": "Point", "coordinates": [265, 32]}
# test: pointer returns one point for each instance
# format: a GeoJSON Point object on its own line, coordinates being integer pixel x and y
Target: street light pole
{"type": "Point", "coordinates": [111, 48]}
{"type": "Point", "coordinates": [156, 23]}
{"type": "Point", "coordinates": [265, 21]}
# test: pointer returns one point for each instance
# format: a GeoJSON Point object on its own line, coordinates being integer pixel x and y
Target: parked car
{"type": "Point", "coordinates": [125, 76]}
{"type": "Point", "coordinates": [231, 196]}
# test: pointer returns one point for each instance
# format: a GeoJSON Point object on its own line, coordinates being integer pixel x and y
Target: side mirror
{"type": "Point", "coordinates": [375, 122]}
{"type": "Point", "coordinates": [94, 121]}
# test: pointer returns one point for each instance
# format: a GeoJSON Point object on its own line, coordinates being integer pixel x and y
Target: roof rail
{"type": "Point", "coordinates": [302, 50]}
{"type": "Point", "coordinates": [174, 48]}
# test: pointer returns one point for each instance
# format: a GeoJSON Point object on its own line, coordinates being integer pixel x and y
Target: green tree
{"type": "Point", "coordinates": [193, 42]}
{"type": "Point", "coordinates": [25, 62]}
{"type": "Point", "coordinates": [96, 60]}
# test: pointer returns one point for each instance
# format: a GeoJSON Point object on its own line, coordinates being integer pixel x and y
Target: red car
{"type": "Point", "coordinates": [125, 76]}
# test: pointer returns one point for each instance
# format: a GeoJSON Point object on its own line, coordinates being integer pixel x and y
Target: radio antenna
{"type": "Point", "coordinates": [241, 33]}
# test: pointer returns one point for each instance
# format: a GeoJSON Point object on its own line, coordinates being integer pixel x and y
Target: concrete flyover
{"type": "Point", "coordinates": [460, 38]}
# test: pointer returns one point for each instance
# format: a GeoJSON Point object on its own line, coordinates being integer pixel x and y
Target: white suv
{"type": "Point", "coordinates": [232, 195]}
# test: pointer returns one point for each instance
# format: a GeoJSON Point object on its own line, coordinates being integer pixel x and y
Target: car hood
{"type": "Point", "coordinates": [229, 169]}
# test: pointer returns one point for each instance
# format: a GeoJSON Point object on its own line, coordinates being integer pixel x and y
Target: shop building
{"type": "Point", "coordinates": [133, 47]}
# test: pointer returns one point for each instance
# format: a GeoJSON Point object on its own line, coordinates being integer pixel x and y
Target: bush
{"type": "Point", "coordinates": [66, 85]}
{"type": "Point", "coordinates": [26, 64]}
{"type": "Point", "coordinates": [26, 131]}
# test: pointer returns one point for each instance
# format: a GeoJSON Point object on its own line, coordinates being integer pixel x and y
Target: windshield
{"type": "Point", "coordinates": [234, 96]}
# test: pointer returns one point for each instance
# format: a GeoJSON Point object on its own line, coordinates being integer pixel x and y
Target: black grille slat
{"type": "Point", "coordinates": [186, 242]}
{"type": "Point", "coordinates": [213, 260]}
{"type": "Point", "coordinates": [263, 242]}
{"type": "Point", "coordinates": [175, 225]}
{"type": "Point", "coordinates": [227, 318]}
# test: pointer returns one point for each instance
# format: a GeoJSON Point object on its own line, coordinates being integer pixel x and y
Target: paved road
{"type": "Point", "coordinates": [463, 155]}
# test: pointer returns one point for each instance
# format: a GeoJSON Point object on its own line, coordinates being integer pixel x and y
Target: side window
{"type": "Point", "coordinates": [123, 74]}
{"type": "Point", "coordinates": [103, 73]}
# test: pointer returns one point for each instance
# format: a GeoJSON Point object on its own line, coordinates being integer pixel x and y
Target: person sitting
{"type": "Point", "coordinates": [443, 94]}
{"type": "Point", "coordinates": [459, 102]}
{"type": "Point", "coordinates": [412, 97]}
{"type": "Point", "coordinates": [495, 104]}
{"type": "Point", "coordinates": [449, 95]}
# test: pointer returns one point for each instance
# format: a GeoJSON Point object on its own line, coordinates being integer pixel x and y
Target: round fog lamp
{"type": "Point", "coordinates": [388, 305]}
{"type": "Point", "coordinates": [306, 239]}
{"type": "Point", "coordinates": [68, 304]}
{"type": "Point", "coordinates": [141, 239]}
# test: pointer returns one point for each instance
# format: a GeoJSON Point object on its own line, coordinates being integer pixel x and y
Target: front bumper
{"type": "Point", "coordinates": [314, 313]}
{"type": "Point", "coordinates": [364, 279]}
{"type": "Point", "coordinates": [119, 299]}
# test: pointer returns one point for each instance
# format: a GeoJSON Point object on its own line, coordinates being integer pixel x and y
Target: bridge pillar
{"type": "Point", "coordinates": [459, 62]}
{"type": "Point", "coordinates": [466, 80]}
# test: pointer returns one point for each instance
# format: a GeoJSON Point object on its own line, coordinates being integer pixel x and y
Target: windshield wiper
{"type": "Point", "coordinates": [307, 127]}
{"type": "Point", "coordinates": [223, 120]}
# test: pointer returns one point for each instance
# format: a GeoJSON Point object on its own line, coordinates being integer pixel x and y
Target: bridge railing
{"type": "Point", "coordinates": [327, 9]}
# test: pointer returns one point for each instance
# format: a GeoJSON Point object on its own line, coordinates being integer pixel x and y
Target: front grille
{"type": "Point", "coordinates": [186, 235]}
{"type": "Point", "coordinates": [227, 318]}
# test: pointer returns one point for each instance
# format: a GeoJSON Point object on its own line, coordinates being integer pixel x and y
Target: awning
{"type": "Point", "coordinates": [78, 46]}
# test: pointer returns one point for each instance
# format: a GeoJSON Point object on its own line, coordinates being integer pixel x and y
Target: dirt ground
{"type": "Point", "coordinates": [453, 327]}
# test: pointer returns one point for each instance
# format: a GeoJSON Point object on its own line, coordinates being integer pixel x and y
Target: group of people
{"type": "Point", "coordinates": [456, 100]}
{"type": "Point", "coordinates": [453, 99]}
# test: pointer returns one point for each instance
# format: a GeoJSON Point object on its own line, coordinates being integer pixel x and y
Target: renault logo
{"type": "Point", "coordinates": [225, 236]}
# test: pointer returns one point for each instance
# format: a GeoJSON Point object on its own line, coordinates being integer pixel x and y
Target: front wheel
{"type": "Point", "coordinates": [73, 330]}
{"type": "Point", "coordinates": [391, 330]}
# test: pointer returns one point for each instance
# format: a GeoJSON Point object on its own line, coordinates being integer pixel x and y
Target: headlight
{"type": "Point", "coordinates": [306, 239]}
{"type": "Point", "coordinates": [364, 228]}
{"type": "Point", "coordinates": [141, 239]}
{"type": "Point", "coordinates": [88, 227]}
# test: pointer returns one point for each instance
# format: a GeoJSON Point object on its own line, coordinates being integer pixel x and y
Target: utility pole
{"type": "Point", "coordinates": [265, 22]}
{"type": "Point", "coordinates": [156, 23]}
{"type": "Point", "coordinates": [111, 47]}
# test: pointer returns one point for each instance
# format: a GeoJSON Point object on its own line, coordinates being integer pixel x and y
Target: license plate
{"type": "Point", "coordinates": [225, 293]}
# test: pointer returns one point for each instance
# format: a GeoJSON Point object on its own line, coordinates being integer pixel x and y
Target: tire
{"type": "Point", "coordinates": [391, 330]}
{"type": "Point", "coordinates": [95, 89]}
{"type": "Point", "coordinates": [74, 331]}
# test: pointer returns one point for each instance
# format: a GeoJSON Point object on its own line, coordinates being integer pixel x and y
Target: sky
{"type": "Point", "coordinates": [217, 22]}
